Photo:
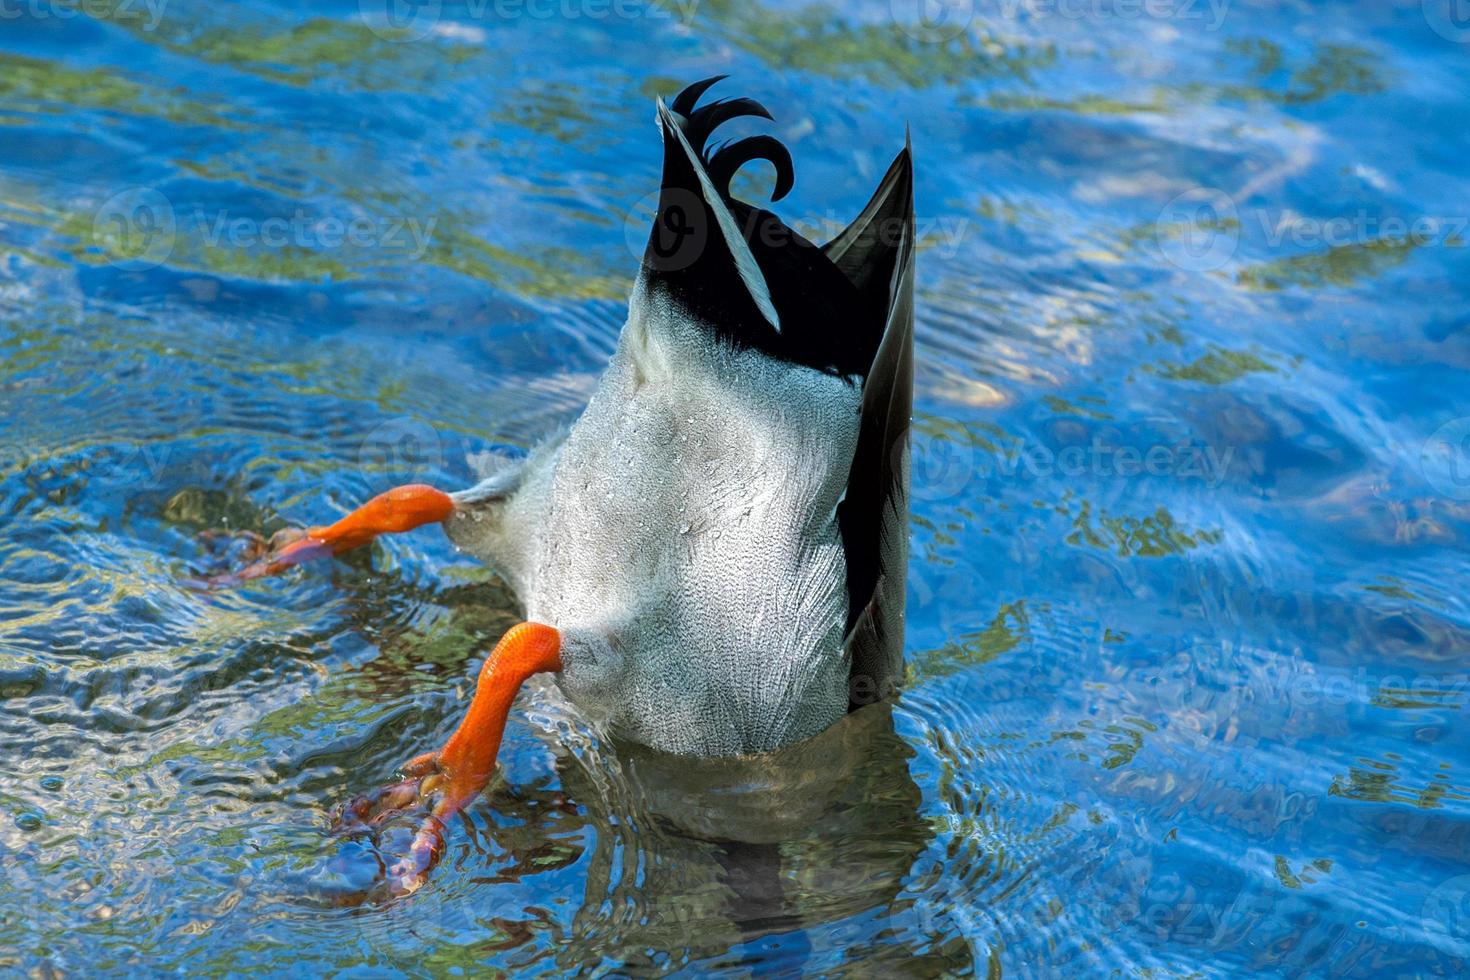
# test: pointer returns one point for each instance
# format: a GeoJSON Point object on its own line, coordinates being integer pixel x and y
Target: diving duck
{"type": "Point", "coordinates": [711, 559]}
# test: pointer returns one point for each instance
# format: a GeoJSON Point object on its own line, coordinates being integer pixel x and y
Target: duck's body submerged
{"type": "Point", "coordinates": [712, 557]}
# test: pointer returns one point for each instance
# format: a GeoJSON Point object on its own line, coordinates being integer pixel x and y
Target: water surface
{"type": "Point", "coordinates": [1188, 612]}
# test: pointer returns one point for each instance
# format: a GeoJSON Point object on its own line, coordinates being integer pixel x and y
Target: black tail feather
{"type": "Point", "coordinates": [731, 157]}
{"type": "Point", "coordinates": [802, 307]}
{"type": "Point", "coordinates": [684, 102]}
{"type": "Point", "coordinates": [706, 120]}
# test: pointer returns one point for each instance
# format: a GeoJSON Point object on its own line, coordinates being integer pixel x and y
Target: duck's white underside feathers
{"type": "Point", "coordinates": [688, 519]}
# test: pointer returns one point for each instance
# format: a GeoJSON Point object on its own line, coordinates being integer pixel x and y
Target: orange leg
{"type": "Point", "coordinates": [448, 779]}
{"type": "Point", "coordinates": [400, 509]}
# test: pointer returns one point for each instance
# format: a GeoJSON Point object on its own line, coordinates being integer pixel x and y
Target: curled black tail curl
{"type": "Point", "coordinates": [725, 160]}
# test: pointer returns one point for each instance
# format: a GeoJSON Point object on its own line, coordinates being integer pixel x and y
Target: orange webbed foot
{"type": "Point", "coordinates": [442, 783]}
{"type": "Point", "coordinates": [400, 509]}
{"type": "Point", "coordinates": [426, 789]}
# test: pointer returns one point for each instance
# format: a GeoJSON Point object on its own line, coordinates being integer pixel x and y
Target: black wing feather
{"type": "Point", "coordinates": [877, 253]}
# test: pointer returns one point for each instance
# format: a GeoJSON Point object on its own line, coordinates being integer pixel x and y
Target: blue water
{"type": "Point", "coordinates": [1188, 622]}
